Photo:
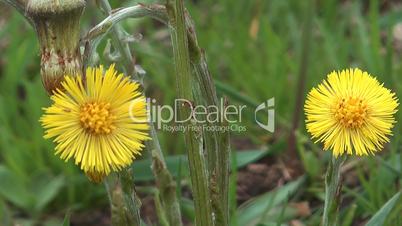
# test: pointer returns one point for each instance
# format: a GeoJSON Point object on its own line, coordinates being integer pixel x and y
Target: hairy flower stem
{"type": "Point", "coordinates": [194, 140]}
{"type": "Point", "coordinates": [217, 143]}
{"type": "Point", "coordinates": [124, 202]}
{"type": "Point", "coordinates": [333, 187]}
{"type": "Point", "coordinates": [166, 197]}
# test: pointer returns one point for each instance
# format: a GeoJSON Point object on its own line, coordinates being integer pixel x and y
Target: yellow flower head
{"type": "Point", "coordinates": [351, 112]}
{"type": "Point", "coordinates": [101, 123]}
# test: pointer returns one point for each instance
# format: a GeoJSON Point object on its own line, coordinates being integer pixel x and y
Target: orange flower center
{"type": "Point", "coordinates": [351, 112]}
{"type": "Point", "coordinates": [96, 117]}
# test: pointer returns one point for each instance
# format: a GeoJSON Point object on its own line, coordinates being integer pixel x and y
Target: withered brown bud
{"type": "Point", "coordinates": [58, 26]}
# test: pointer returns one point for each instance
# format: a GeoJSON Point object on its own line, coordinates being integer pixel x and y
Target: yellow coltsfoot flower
{"type": "Point", "coordinates": [351, 112]}
{"type": "Point", "coordinates": [101, 124]}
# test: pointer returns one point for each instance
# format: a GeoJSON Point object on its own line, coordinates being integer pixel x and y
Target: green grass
{"type": "Point", "coordinates": [247, 69]}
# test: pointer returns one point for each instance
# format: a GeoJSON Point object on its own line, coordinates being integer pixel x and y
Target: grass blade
{"type": "Point", "coordinates": [254, 209]}
{"type": "Point", "coordinates": [380, 217]}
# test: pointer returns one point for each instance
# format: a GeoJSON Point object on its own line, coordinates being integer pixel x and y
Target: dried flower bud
{"type": "Point", "coordinates": [57, 24]}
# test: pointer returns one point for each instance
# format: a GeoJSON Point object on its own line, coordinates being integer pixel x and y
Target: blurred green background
{"type": "Point", "coordinates": [256, 49]}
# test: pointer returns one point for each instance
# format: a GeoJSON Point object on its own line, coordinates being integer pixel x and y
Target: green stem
{"type": "Point", "coordinates": [124, 203]}
{"type": "Point", "coordinates": [217, 143]}
{"type": "Point", "coordinates": [194, 141]}
{"type": "Point", "coordinates": [333, 187]}
{"type": "Point", "coordinates": [166, 197]}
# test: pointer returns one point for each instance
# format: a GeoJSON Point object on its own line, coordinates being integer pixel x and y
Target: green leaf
{"type": "Point", "coordinates": [66, 221]}
{"type": "Point", "coordinates": [14, 190]}
{"type": "Point", "coordinates": [348, 219]}
{"type": "Point", "coordinates": [255, 208]}
{"type": "Point", "coordinates": [244, 158]}
{"type": "Point", "coordinates": [47, 191]}
{"type": "Point", "coordinates": [393, 164]}
{"type": "Point", "coordinates": [187, 208]}
{"type": "Point", "coordinates": [380, 217]}
{"type": "Point", "coordinates": [5, 215]}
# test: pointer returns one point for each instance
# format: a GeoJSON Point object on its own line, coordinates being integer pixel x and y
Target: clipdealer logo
{"type": "Point", "coordinates": [268, 106]}
{"type": "Point", "coordinates": [206, 118]}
